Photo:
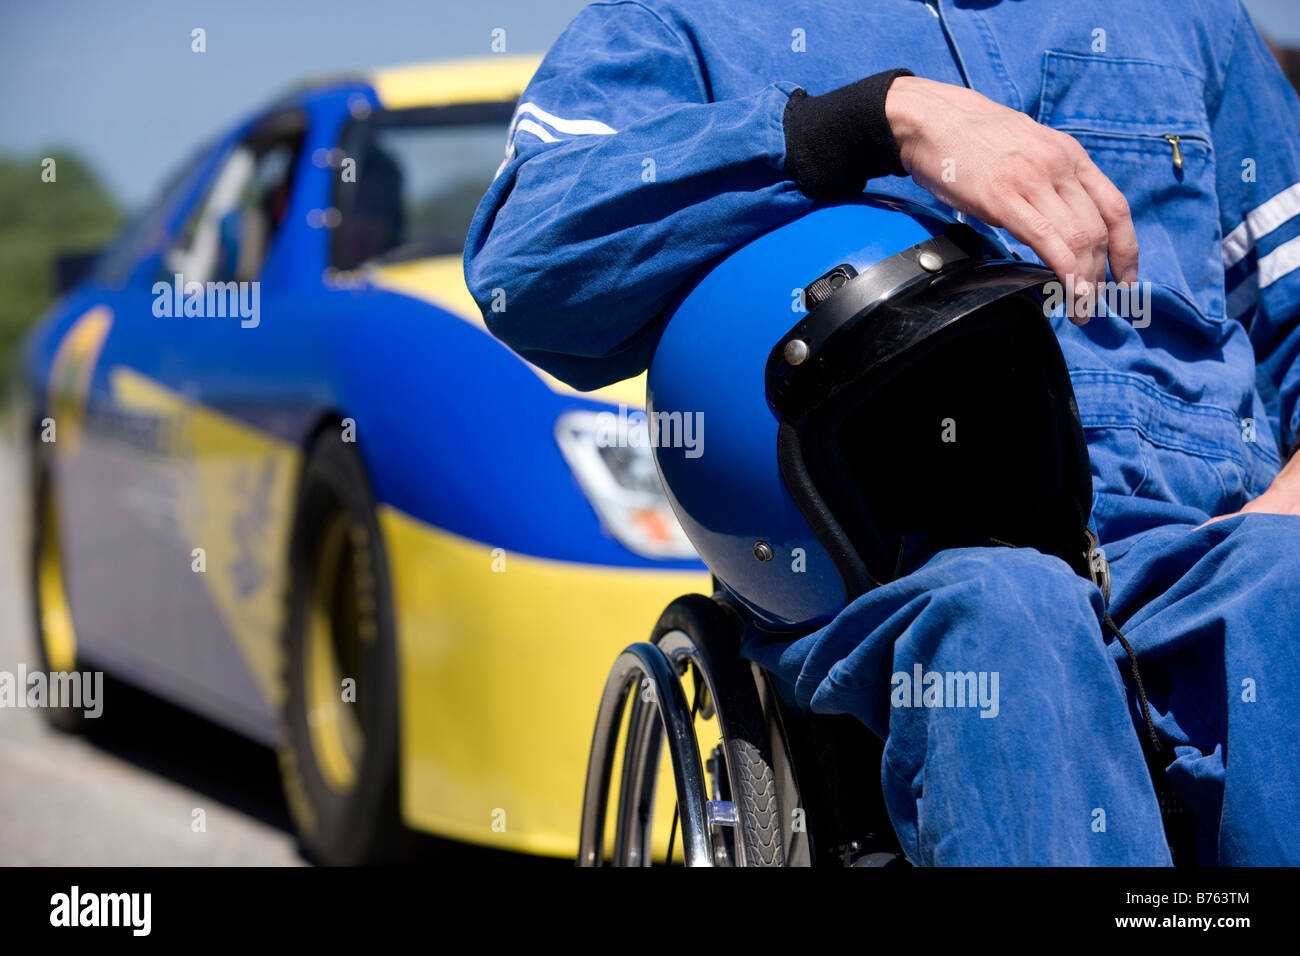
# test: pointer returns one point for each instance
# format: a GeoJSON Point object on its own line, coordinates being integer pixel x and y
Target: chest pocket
{"type": "Point", "coordinates": [1144, 124]}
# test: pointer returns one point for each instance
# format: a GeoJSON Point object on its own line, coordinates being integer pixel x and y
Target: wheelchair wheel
{"type": "Point", "coordinates": [729, 816]}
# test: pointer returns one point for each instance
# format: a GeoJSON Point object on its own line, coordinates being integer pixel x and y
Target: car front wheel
{"type": "Point", "coordinates": [339, 749]}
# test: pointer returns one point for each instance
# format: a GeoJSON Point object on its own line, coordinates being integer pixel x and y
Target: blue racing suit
{"type": "Point", "coordinates": [1188, 413]}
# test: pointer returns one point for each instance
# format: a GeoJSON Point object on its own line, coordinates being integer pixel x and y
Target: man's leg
{"type": "Point", "coordinates": [1215, 631]}
{"type": "Point", "coordinates": [1046, 769]}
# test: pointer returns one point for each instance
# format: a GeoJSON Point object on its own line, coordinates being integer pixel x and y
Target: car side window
{"type": "Point", "coordinates": [414, 179]}
{"type": "Point", "coordinates": [228, 235]}
{"type": "Point", "coordinates": [146, 233]}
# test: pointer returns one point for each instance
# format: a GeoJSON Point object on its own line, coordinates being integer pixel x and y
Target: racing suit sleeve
{"type": "Point", "coordinates": [1256, 130]}
{"type": "Point", "coordinates": [623, 176]}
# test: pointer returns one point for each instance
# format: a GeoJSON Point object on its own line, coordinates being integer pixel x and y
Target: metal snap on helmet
{"type": "Point", "coordinates": [874, 382]}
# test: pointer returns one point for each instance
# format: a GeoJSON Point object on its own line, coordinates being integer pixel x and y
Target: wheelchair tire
{"type": "Point", "coordinates": [744, 738]}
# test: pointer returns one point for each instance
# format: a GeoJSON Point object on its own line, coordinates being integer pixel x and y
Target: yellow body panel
{"type": "Point", "coordinates": [501, 674]}
{"type": "Point", "coordinates": [237, 487]}
{"type": "Point", "coordinates": [484, 80]}
{"type": "Point", "coordinates": [500, 671]}
{"type": "Point", "coordinates": [57, 633]}
{"type": "Point", "coordinates": [71, 371]}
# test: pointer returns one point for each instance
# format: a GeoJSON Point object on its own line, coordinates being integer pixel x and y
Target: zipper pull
{"type": "Point", "coordinates": [1178, 153]}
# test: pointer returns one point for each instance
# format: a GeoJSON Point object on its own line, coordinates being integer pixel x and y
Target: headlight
{"type": "Point", "coordinates": [620, 481]}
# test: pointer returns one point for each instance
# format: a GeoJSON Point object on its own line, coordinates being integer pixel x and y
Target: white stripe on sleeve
{"type": "Point", "coordinates": [1279, 263]}
{"type": "Point", "coordinates": [577, 127]}
{"type": "Point", "coordinates": [1258, 223]}
{"type": "Point", "coordinates": [528, 126]}
{"type": "Point", "coordinates": [521, 122]}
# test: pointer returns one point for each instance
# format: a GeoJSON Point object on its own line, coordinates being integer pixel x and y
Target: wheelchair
{"type": "Point", "coordinates": [779, 787]}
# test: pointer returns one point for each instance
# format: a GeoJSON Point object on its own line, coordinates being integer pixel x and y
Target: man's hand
{"type": "Point", "coordinates": [1011, 172]}
{"type": "Point", "coordinates": [1281, 498]}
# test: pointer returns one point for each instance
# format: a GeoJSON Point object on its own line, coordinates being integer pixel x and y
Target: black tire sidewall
{"type": "Point", "coordinates": [362, 825]}
{"type": "Point", "coordinates": [716, 636]}
{"type": "Point", "coordinates": [67, 719]}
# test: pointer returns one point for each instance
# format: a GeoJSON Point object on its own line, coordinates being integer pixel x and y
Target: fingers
{"type": "Point", "coordinates": [1114, 211]}
{"type": "Point", "coordinates": [1085, 232]}
{"type": "Point", "coordinates": [1069, 225]}
{"type": "Point", "coordinates": [1033, 181]}
{"type": "Point", "coordinates": [1035, 224]}
{"type": "Point", "coordinates": [1057, 194]}
{"type": "Point", "coordinates": [1097, 226]}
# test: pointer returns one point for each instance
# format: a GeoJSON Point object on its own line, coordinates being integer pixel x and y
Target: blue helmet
{"type": "Point", "coordinates": [871, 382]}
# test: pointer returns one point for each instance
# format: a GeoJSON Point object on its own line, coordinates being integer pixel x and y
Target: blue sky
{"type": "Point", "coordinates": [115, 79]}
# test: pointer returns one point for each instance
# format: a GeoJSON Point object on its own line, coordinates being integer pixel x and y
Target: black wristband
{"type": "Point", "coordinates": [837, 141]}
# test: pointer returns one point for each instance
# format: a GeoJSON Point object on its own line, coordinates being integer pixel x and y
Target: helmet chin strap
{"type": "Point", "coordinates": [1099, 571]}
{"type": "Point", "coordinates": [1137, 679]}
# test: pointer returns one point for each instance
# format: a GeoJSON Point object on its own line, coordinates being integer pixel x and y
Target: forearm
{"type": "Point", "coordinates": [588, 241]}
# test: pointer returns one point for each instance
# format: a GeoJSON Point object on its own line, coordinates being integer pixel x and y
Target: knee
{"type": "Point", "coordinates": [1014, 604]}
{"type": "Point", "coordinates": [1019, 589]}
{"type": "Point", "coordinates": [1263, 551]}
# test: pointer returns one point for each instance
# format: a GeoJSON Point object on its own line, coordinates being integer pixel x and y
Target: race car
{"type": "Point", "coordinates": [283, 476]}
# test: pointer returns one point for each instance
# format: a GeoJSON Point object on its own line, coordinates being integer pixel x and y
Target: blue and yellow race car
{"type": "Point", "coordinates": [283, 476]}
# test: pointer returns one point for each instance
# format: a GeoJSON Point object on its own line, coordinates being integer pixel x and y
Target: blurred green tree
{"type": "Point", "coordinates": [39, 221]}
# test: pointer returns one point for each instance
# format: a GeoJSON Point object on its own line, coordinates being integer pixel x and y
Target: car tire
{"type": "Point", "coordinates": [54, 637]}
{"type": "Point", "coordinates": [339, 748]}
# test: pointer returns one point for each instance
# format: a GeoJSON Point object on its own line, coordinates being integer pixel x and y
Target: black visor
{"type": "Point", "coordinates": [928, 408]}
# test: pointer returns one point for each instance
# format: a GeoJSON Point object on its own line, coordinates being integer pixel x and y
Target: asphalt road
{"type": "Point", "coordinates": [126, 793]}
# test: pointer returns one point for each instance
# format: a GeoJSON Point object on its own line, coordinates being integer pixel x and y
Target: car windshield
{"type": "Point", "coordinates": [409, 181]}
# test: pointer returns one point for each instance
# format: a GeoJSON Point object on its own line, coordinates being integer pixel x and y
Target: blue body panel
{"type": "Point", "coordinates": [453, 428]}
{"type": "Point", "coordinates": [436, 399]}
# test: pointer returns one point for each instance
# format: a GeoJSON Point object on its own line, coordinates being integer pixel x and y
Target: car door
{"type": "Point", "coordinates": [229, 470]}
{"type": "Point", "coordinates": [122, 550]}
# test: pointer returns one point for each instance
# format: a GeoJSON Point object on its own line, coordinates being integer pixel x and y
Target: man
{"type": "Point", "coordinates": [658, 136]}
